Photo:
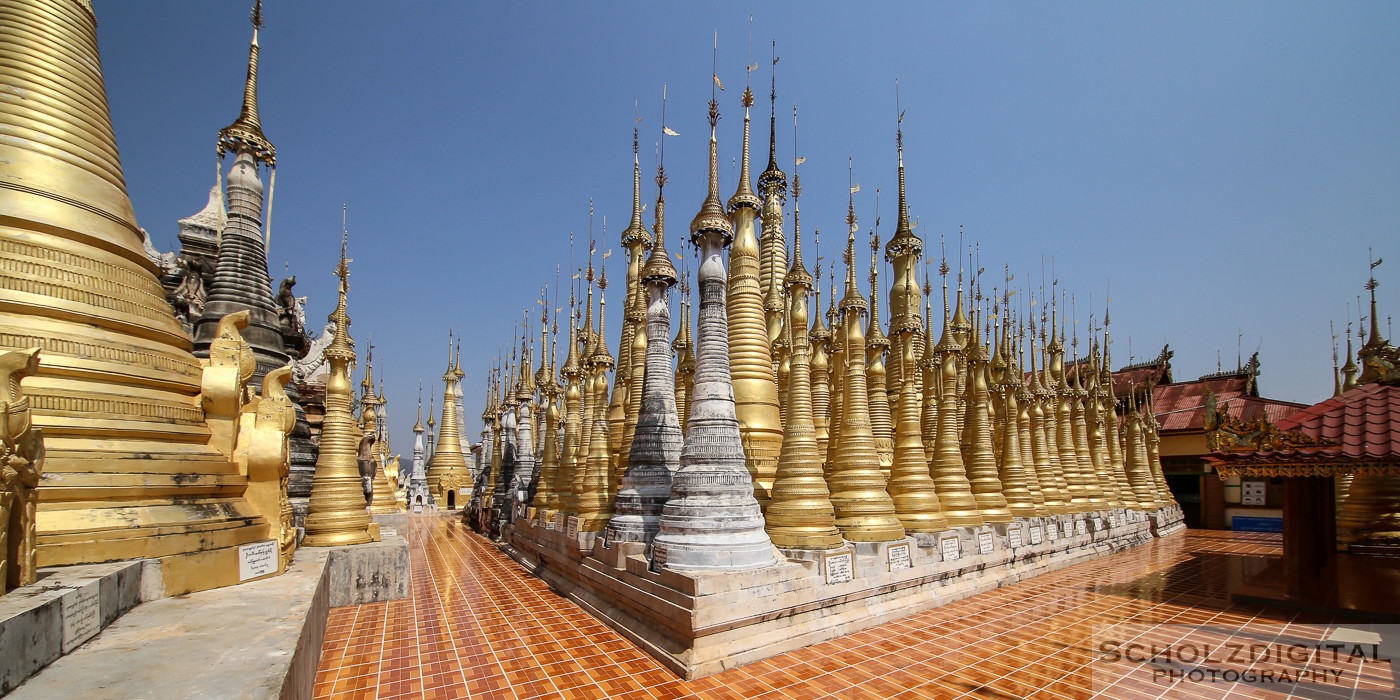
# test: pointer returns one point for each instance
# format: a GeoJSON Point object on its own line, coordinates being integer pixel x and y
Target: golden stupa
{"type": "Point", "coordinates": [139, 436]}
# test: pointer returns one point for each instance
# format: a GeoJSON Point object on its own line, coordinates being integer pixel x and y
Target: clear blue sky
{"type": "Point", "coordinates": [1225, 165]}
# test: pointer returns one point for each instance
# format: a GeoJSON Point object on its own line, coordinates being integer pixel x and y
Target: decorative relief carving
{"type": "Point", "coordinates": [21, 462]}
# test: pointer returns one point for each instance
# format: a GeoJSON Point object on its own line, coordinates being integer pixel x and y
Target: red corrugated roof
{"type": "Point", "coordinates": [1363, 422]}
{"type": "Point", "coordinates": [1181, 406]}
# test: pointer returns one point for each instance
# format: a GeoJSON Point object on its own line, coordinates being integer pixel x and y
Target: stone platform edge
{"type": "Point", "coordinates": [697, 624]}
{"type": "Point", "coordinates": [67, 606]}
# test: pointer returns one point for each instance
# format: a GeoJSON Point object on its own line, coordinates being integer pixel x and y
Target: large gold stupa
{"type": "Point", "coordinates": [138, 436]}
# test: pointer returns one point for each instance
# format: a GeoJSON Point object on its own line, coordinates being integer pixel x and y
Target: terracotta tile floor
{"type": "Point", "coordinates": [478, 625]}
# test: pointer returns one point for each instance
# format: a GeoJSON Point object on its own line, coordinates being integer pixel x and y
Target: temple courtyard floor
{"type": "Point", "coordinates": [1155, 621]}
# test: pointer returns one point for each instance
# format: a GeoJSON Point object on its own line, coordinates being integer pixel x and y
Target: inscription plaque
{"type": "Point", "coordinates": [82, 615]}
{"type": "Point", "coordinates": [839, 567]}
{"type": "Point", "coordinates": [984, 543]}
{"type": "Point", "coordinates": [1098, 524]}
{"type": "Point", "coordinates": [573, 527]}
{"type": "Point", "coordinates": [1036, 537]}
{"type": "Point", "coordinates": [950, 548]}
{"type": "Point", "coordinates": [551, 524]}
{"type": "Point", "coordinates": [1081, 527]}
{"type": "Point", "coordinates": [1013, 538]}
{"type": "Point", "coordinates": [257, 559]}
{"type": "Point", "coordinates": [899, 557]}
{"type": "Point", "coordinates": [1053, 531]}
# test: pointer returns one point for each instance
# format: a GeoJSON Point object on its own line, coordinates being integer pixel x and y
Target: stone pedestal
{"type": "Point", "coordinates": [697, 623]}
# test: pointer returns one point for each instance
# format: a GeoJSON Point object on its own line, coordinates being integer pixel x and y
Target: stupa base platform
{"type": "Point", "coordinates": [367, 573]}
{"type": "Point", "coordinates": [261, 639]}
{"type": "Point", "coordinates": [697, 624]}
{"type": "Point", "coordinates": [64, 608]}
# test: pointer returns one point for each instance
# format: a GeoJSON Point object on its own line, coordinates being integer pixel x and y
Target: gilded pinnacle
{"type": "Point", "coordinates": [245, 133]}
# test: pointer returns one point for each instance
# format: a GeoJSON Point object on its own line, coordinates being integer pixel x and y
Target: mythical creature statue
{"type": "Point", "coordinates": [365, 461]}
{"type": "Point", "coordinates": [313, 368]}
{"type": "Point", "coordinates": [265, 453]}
{"type": "Point", "coordinates": [187, 299]}
{"type": "Point", "coordinates": [21, 461]}
{"type": "Point", "coordinates": [287, 307]}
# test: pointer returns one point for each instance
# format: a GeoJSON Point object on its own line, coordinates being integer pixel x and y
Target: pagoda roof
{"type": "Point", "coordinates": [1357, 431]}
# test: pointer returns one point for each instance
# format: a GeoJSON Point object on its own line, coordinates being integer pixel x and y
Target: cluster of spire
{"type": "Point", "coordinates": [848, 428]}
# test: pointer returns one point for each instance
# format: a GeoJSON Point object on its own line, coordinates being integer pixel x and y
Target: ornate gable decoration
{"type": "Point", "coordinates": [1227, 434]}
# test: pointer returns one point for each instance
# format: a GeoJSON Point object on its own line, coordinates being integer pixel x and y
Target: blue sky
{"type": "Point", "coordinates": [1223, 167]}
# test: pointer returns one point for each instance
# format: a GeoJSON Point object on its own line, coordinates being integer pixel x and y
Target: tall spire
{"type": "Point", "coordinates": [800, 514]}
{"type": "Point", "coordinates": [656, 445]}
{"type": "Point", "coordinates": [772, 258]}
{"type": "Point", "coordinates": [864, 510]}
{"type": "Point", "coordinates": [751, 331]}
{"type": "Point", "coordinates": [245, 133]}
{"type": "Point", "coordinates": [337, 515]}
{"type": "Point", "coordinates": [712, 521]}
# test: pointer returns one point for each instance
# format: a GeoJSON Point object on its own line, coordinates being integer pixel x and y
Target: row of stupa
{"type": "Point", "coordinates": [801, 436]}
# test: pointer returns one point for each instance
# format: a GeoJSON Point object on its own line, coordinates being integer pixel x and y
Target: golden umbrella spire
{"type": "Point", "coordinates": [1079, 417]}
{"type": "Point", "coordinates": [245, 133]}
{"type": "Point", "coordinates": [636, 240]}
{"type": "Point", "coordinates": [773, 185]}
{"type": "Point", "coordinates": [929, 369]}
{"type": "Point", "coordinates": [382, 496]}
{"type": "Point", "coordinates": [876, 344]}
{"type": "Point", "coordinates": [1041, 453]}
{"type": "Point", "coordinates": [570, 473]}
{"type": "Point", "coordinates": [447, 458]}
{"type": "Point", "coordinates": [981, 457]}
{"type": "Point", "coordinates": [1012, 467]}
{"type": "Point", "coordinates": [337, 509]}
{"type": "Point", "coordinates": [903, 252]}
{"type": "Point", "coordinates": [1126, 493]}
{"type": "Point", "coordinates": [750, 352]}
{"type": "Point", "coordinates": [1139, 472]}
{"type": "Point", "coordinates": [950, 477]}
{"type": "Point", "coordinates": [801, 515]}
{"type": "Point", "coordinates": [595, 500]}
{"type": "Point", "coordinates": [911, 486]}
{"type": "Point", "coordinates": [864, 510]}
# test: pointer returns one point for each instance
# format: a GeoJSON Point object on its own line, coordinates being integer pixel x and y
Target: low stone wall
{"type": "Point", "coordinates": [67, 606]}
{"type": "Point", "coordinates": [697, 624]}
{"type": "Point", "coordinates": [261, 639]}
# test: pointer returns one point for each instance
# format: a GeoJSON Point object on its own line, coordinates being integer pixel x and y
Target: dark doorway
{"type": "Point", "coordinates": [1186, 488]}
{"type": "Point", "coordinates": [451, 500]}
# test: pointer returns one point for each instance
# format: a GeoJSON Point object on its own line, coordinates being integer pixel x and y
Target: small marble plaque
{"type": "Point", "coordinates": [257, 559]}
{"type": "Point", "coordinates": [572, 532]}
{"type": "Point", "coordinates": [839, 567]}
{"type": "Point", "coordinates": [1069, 529]}
{"type": "Point", "coordinates": [551, 524]}
{"type": "Point", "coordinates": [658, 558]}
{"type": "Point", "coordinates": [984, 543]}
{"type": "Point", "coordinates": [899, 556]}
{"type": "Point", "coordinates": [1036, 537]}
{"type": "Point", "coordinates": [1081, 527]}
{"type": "Point", "coordinates": [1098, 524]}
{"type": "Point", "coordinates": [82, 615]}
{"type": "Point", "coordinates": [1013, 538]}
{"type": "Point", "coordinates": [559, 522]}
{"type": "Point", "coordinates": [387, 532]}
{"type": "Point", "coordinates": [1053, 531]}
{"type": "Point", "coordinates": [950, 548]}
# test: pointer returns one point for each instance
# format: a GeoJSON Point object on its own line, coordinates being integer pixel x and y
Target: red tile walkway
{"type": "Point", "coordinates": [478, 625]}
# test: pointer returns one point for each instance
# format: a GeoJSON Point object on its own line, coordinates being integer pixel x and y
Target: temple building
{"type": "Point", "coordinates": [1337, 464]}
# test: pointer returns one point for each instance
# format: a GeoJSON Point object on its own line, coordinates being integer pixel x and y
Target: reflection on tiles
{"type": "Point", "coordinates": [479, 625]}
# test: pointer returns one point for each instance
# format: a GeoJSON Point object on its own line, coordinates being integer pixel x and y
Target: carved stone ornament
{"type": "Point", "coordinates": [21, 462]}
